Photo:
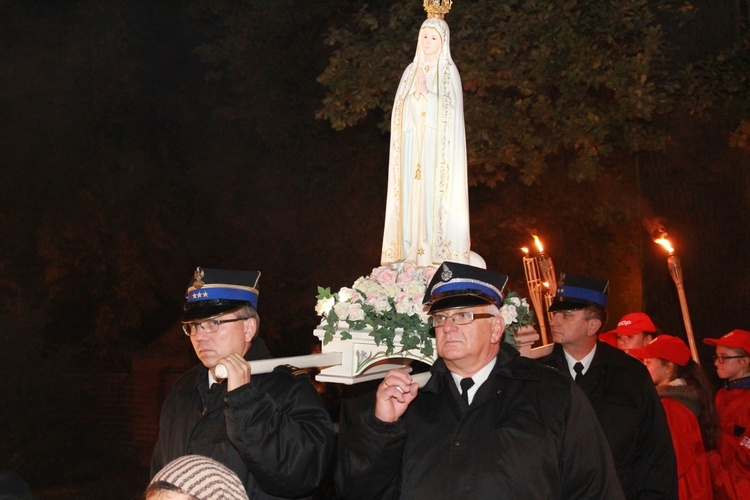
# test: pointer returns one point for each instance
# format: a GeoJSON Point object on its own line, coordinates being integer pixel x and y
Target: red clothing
{"type": "Point", "coordinates": [730, 467]}
{"type": "Point", "coordinates": [693, 475]}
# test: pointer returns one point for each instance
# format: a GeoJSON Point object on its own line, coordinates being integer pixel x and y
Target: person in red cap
{"type": "Point", "coordinates": [687, 398]}
{"type": "Point", "coordinates": [730, 467]}
{"type": "Point", "coordinates": [633, 330]}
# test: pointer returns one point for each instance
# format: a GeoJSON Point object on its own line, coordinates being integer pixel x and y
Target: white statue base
{"type": "Point", "coordinates": [363, 360]}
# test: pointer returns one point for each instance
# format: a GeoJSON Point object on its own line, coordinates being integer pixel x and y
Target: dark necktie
{"type": "Point", "coordinates": [466, 384]}
{"type": "Point", "coordinates": [578, 368]}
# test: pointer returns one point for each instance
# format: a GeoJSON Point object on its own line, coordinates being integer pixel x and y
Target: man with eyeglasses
{"type": "Point", "coordinates": [488, 424]}
{"type": "Point", "coordinates": [730, 464]}
{"type": "Point", "coordinates": [272, 430]}
{"type": "Point", "coordinates": [618, 386]}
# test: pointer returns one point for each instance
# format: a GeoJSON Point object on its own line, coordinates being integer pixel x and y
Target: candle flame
{"type": "Point", "coordinates": [665, 243]}
{"type": "Point", "coordinates": [546, 284]}
{"type": "Point", "coordinates": [538, 243]}
{"type": "Point", "coordinates": [525, 250]}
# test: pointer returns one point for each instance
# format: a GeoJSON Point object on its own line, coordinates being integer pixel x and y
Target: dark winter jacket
{"type": "Point", "coordinates": [274, 432]}
{"type": "Point", "coordinates": [623, 395]}
{"type": "Point", "coordinates": [529, 433]}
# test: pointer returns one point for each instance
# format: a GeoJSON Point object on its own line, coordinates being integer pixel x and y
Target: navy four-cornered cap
{"type": "Point", "coordinates": [576, 292]}
{"type": "Point", "coordinates": [457, 285]}
{"type": "Point", "coordinates": [213, 292]}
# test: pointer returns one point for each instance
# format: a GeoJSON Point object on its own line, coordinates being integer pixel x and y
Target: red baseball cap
{"type": "Point", "coordinates": [736, 339]}
{"type": "Point", "coordinates": [630, 324]}
{"type": "Point", "coordinates": [609, 337]}
{"type": "Point", "coordinates": [633, 324]}
{"type": "Point", "coordinates": [665, 347]}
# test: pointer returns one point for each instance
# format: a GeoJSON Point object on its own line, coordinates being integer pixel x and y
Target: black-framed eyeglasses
{"type": "Point", "coordinates": [209, 326]}
{"type": "Point", "coordinates": [721, 359]}
{"type": "Point", "coordinates": [460, 318]}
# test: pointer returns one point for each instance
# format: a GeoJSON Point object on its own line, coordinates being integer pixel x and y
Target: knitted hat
{"type": "Point", "coordinates": [202, 477]}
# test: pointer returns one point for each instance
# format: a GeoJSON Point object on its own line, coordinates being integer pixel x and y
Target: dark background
{"type": "Point", "coordinates": [134, 149]}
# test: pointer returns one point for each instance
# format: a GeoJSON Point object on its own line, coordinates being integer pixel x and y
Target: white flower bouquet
{"type": "Point", "coordinates": [390, 298]}
{"type": "Point", "coordinates": [517, 314]}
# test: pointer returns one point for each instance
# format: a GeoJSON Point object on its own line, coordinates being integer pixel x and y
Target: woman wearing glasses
{"type": "Point", "coordinates": [730, 467]}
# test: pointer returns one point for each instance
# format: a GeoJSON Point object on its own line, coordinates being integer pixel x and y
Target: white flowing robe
{"type": "Point", "coordinates": [427, 218]}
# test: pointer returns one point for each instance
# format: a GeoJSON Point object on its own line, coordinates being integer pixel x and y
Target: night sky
{"type": "Point", "coordinates": [139, 141]}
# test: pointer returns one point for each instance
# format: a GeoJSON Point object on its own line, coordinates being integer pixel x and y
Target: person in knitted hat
{"type": "Point", "coordinates": [273, 430]}
{"type": "Point", "coordinates": [195, 477]}
{"type": "Point", "coordinates": [730, 467]}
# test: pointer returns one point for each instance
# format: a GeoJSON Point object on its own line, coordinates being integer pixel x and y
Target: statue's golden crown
{"type": "Point", "coordinates": [437, 8]}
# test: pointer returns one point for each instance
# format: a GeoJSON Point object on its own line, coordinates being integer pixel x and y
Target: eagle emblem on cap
{"type": "Point", "coordinates": [198, 277]}
{"type": "Point", "coordinates": [447, 274]}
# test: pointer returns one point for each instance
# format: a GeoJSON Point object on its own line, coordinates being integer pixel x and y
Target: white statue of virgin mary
{"type": "Point", "coordinates": [427, 208]}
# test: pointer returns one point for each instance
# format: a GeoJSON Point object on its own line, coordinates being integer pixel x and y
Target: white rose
{"type": "Point", "coordinates": [403, 305]}
{"type": "Point", "coordinates": [356, 313]}
{"type": "Point", "coordinates": [324, 305]}
{"type": "Point", "coordinates": [515, 301]}
{"type": "Point", "coordinates": [362, 284]}
{"type": "Point", "coordinates": [346, 294]}
{"type": "Point", "coordinates": [342, 310]}
{"type": "Point", "coordinates": [414, 288]}
{"type": "Point", "coordinates": [370, 288]}
{"type": "Point", "coordinates": [379, 303]}
{"type": "Point", "coordinates": [509, 314]}
{"type": "Point", "coordinates": [391, 290]}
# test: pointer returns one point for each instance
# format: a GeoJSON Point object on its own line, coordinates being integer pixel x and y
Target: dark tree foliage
{"type": "Point", "coordinates": [546, 84]}
{"type": "Point", "coordinates": [141, 139]}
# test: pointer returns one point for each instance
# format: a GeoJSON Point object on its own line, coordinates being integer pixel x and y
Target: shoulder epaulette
{"type": "Point", "coordinates": [293, 371]}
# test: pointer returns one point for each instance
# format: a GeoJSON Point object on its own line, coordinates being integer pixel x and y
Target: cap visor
{"type": "Point", "coordinates": [568, 304]}
{"type": "Point", "coordinates": [210, 309]}
{"type": "Point", "coordinates": [457, 301]}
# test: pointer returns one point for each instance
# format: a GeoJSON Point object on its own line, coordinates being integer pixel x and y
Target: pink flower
{"type": "Point", "coordinates": [403, 305]}
{"type": "Point", "coordinates": [379, 302]}
{"type": "Point", "coordinates": [427, 273]}
{"type": "Point", "coordinates": [409, 268]}
{"type": "Point", "coordinates": [405, 278]}
{"type": "Point", "coordinates": [384, 275]}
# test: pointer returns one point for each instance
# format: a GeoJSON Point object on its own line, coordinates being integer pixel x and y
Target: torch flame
{"type": "Point", "coordinates": [538, 243]}
{"type": "Point", "coordinates": [525, 250]}
{"type": "Point", "coordinates": [665, 243]}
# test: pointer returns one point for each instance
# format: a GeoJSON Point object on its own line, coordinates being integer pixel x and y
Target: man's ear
{"type": "Point", "coordinates": [498, 329]}
{"type": "Point", "coordinates": [594, 325]}
{"type": "Point", "coordinates": [251, 329]}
